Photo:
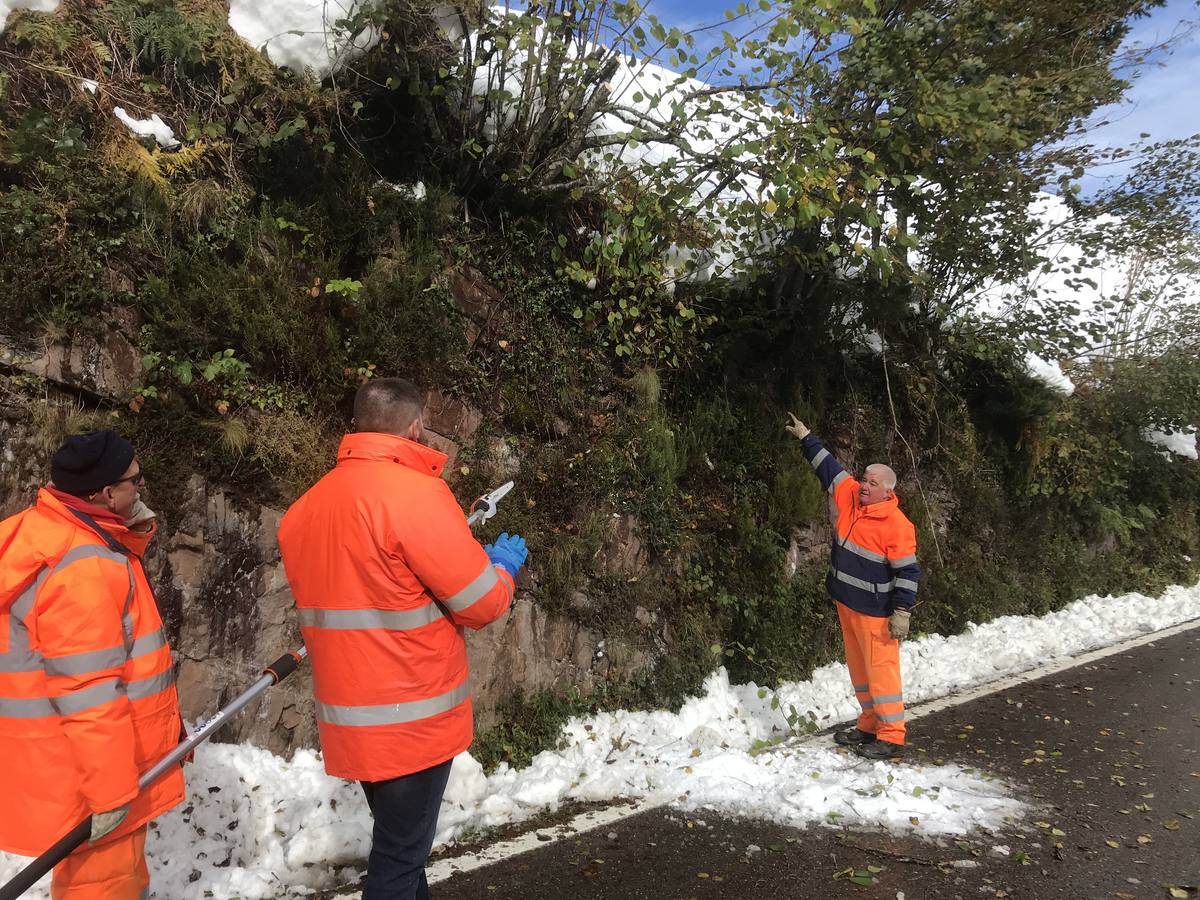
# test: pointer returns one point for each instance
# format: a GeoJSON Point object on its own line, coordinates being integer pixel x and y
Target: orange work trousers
{"type": "Point", "coordinates": [874, 661]}
{"type": "Point", "coordinates": [111, 870]}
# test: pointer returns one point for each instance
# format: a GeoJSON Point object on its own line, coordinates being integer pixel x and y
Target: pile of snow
{"type": "Point", "coordinates": [257, 826]}
{"type": "Point", "coordinates": [151, 127]}
{"type": "Point", "coordinates": [1179, 443]}
{"type": "Point", "coordinates": [1049, 373]}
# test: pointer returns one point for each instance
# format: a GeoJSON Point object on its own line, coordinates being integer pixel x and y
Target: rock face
{"type": "Point", "coordinates": [228, 612]}
{"type": "Point", "coordinates": [220, 584]}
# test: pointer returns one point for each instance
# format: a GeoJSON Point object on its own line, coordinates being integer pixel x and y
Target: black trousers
{"type": "Point", "coordinates": [406, 814]}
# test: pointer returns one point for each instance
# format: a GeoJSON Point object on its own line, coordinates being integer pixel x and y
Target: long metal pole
{"type": "Point", "coordinates": [272, 674]}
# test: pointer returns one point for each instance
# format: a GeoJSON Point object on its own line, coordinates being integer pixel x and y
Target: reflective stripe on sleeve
{"type": "Point", "coordinates": [87, 662]}
{"type": "Point", "coordinates": [357, 619]}
{"type": "Point", "coordinates": [148, 643]}
{"type": "Point", "coordinates": [838, 479]}
{"type": "Point", "coordinates": [141, 688]}
{"type": "Point", "coordinates": [475, 591]}
{"type": "Point", "coordinates": [392, 713]}
{"type": "Point", "coordinates": [816, 461]}
{"type": "Point", "coordinates": [905, 583]}
{"type": "Point", "coordinates": [88, 697]}
{"type": "Point", "coordinates": [902, 562]}
{"type": "Point", "coordinates": [20, 657]}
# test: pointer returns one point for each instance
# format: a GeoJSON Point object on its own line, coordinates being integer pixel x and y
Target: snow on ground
{"type": "Point", "coordinates": [258, 826]}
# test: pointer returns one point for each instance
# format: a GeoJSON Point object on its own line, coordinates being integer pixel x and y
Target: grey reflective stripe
{"type": "Point", "coordinates": [862, 688]}
{"type": "Point", "coordinates": [148, 643]}
{"type": "Point", "coordinates": [89, 551]}
{"type": "Point", "coordinates": [856, 582]}
{"type": "Point", "coordinates": [355, 619]}
{"type": "Point", "coordinates": [126, 616]}
{"type": "Point", "coordinates": [25, 708]}
{"type": "Point", "coordinates": [83, 663]}
{"type": "Point", "coordinates": [96, 695]}
{"type": "Point", "coordinates": [141, 688]}
{"type": "Point", "coordinates": [904, 584]}
{"type": "Point", "coordinates": [863, 585]}
{"type": "Point", "coordinates": [890, 717]}
{"type": "Point", "coordinates": [862, 551]}
{"type": "Point", "coordinates": [20, 657]}
{"type": "Point", "coordinates": [890, 698]}
{"type": "Point", "coordinates": [475, 591]}
{"type": "Point", "coordinates": [838, 479]}
{"type": "Point", "coordinates": [866, 704]}
{"type": "Point", "coordinates": [816, 461]}
{"type": "Point", "coordinates": [392, 713]}
{"type": "Point", "coordinates": [902, 562]}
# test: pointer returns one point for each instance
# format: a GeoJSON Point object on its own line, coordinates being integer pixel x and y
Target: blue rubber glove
{"type": "Point", "coordinates": [509, 553]}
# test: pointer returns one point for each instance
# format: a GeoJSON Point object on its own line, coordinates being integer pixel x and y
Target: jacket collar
{"type": "Point", "coordinates": [878, 510]}
{"type": "Point", "coordinates": [58, 504]}
{"type": "Point", "coordinates": [372, 445]}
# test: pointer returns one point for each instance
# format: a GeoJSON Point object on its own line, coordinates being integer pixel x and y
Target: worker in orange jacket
{"type": "Point", "coordinates": [87, 694]}
{"type": "Point", "coordinates": [873, 577]}
{"type": "Point", "coordinates": [386, 574]}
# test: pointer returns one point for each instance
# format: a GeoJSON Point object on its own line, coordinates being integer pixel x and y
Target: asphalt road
{"type": "Point", "coordinates": [1108, 752]}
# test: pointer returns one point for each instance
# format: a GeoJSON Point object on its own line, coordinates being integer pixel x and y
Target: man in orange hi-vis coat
{"type": "Point", "coordinates": [87, 694]}
{"type": "Point", "coordinates": [386, 574]}
{"type": "Point", "coordinates": [873, 577]}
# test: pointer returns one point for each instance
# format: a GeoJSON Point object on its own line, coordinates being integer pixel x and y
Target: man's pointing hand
{"type": "Point", "coordinates": [796, 427]}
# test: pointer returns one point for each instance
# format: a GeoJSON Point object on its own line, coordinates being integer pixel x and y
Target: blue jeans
{"type": "Point", "coordinates": [406, 814]}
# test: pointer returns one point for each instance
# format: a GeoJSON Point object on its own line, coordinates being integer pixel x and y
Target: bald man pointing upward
{"type": "Point", "coordinates": [873, 577]}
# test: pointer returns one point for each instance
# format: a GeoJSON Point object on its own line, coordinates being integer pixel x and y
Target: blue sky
{"type": "Point", "coordinates": [1164, 99]}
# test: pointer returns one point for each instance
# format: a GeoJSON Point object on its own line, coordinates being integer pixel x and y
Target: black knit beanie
{"type": "Point", "coordinates": [87, 462]}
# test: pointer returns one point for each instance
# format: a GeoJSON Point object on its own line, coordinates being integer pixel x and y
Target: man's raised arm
{"type": "Point", "coordinates": [824, 463]}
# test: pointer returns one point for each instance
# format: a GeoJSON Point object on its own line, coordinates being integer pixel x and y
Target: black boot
{"type": "Point", "coordinates": [853, 737]}
{"type": "Point", "coordinates": [879, 750]}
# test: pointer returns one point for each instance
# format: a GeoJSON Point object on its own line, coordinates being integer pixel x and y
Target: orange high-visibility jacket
{"type": "Point", "coordinates": [87, 693]}
{"type": "Point", "coordinates": [386, 573]}
{"type": "Point", "coordinates": [873, 561]}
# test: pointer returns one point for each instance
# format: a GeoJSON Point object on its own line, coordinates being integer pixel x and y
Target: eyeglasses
{"type": "Point", "coordinates": [138, 479]}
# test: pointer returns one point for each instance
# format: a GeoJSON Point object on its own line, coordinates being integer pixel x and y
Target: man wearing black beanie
{"type": "Point", "coordinates": [87, 692]}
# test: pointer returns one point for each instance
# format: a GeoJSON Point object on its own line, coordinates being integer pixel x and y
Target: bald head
{"type": "Point", "coordinates": [389, 406]}
{"type": "Point", "coordinates": [885, 474]}
{"type": "Point", "coordinates": [878, 483]}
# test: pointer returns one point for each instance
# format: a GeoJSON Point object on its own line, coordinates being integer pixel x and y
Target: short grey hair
{"type": "Point", "coordinates": [387, 405]}
{"type": "Point", "coordinates": [886, 474]}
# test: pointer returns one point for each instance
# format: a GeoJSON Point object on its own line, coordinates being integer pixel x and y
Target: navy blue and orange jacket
{"type": "Point", "coordinates": [873, 562]}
